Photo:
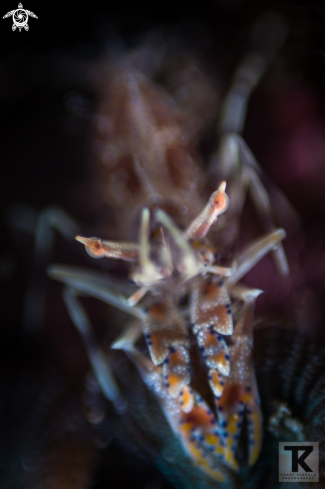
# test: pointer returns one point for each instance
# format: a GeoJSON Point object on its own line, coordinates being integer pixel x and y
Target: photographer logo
{"type": "Point", "coordinates": [20, 18]}
{"type": "Point", "coordinates": [298, 462]}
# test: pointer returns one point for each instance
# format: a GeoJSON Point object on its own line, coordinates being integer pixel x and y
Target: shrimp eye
{"type": "Point", "coordinates": [93, 246]}
{"type": "Point", "coordinates": [221, 201]}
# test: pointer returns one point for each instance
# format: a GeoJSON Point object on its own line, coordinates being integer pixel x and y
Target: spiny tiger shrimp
{"type": "Point", "coordinates": [192, 310]}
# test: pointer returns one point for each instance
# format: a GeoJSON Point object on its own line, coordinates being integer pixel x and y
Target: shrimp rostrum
{"type": "Point", "coordinates": [184, 299]}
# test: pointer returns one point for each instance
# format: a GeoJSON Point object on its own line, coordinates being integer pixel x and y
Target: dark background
{"type": "Point", "coordinates": [45, 154]}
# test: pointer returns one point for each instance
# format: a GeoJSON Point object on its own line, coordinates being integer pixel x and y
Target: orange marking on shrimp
{"type": "Point", "coordinates": [218, 203]}
{"type": "Point", "coordinates": [175, 358]}
{"type": "Point", "coordinates": [218, 317]}
{"type": "Point", "coordinates": [200, 434]}
{"type": "Point", "coordinates": [167, 336]}
{"type": "Point", "coordinates": [211, 306]}
{"type": "Point", "coordinates": [175, 369]}
{"type": "Point", "coordinates": [211, 291]}
{"type": "Point", "coordinates": [216, 382]}
{"type": "Point", "coordinates": [93, 245]}
{"type": "Point", "coordinates": [174, 384]}
{"type": "Point", "coordinates": [214, 350]}
{"type": "Point", "coordinates": [198, 417]}
{"type": "Point", "coordinates": [159, 343]}
{"type": "Point", "coordinates": [159, 311]}
{"type": "Point", "coordinates": [219, 361]}
{"type": "Point", "coordinates": [232, 394]}
{"type": "Point", "coordinates": [98, 248]}
{"type": "Point", "coordinates": [164, 328]}
{"type": "Point", "coordinates": [186, 399]}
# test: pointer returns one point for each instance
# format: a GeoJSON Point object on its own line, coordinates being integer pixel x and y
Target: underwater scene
{"type": "Point", "coordinates": [162, 259]}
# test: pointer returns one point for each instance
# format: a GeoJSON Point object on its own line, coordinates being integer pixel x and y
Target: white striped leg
{"type": "Point", "coordinates": [43, 226]}
{"type": "Point", "coordinates": [96, 355]}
